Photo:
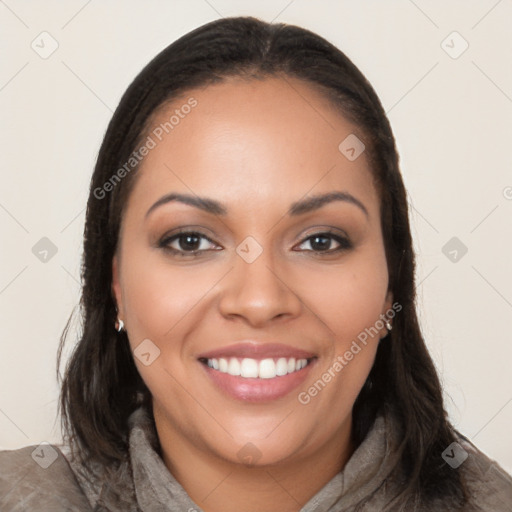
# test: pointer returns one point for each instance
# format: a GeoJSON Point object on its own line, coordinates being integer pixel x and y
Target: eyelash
{"type": "Point", "coordinates": [344, 242]}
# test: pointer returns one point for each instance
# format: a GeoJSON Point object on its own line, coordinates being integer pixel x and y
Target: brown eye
{"type": "Point", "coordinates": [322, 243]}
{"type": "Point", "coordinates": [186, 243]}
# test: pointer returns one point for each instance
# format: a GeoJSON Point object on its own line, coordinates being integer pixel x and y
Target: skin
{"type": "Point", "coordinates": [256, 147]}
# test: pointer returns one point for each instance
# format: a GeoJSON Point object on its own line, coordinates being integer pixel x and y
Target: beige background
{"type": "Point", "coordinates": [451, 118]}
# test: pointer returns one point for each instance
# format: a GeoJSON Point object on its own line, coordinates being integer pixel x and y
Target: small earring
{"type": "Point", "coordinates": [119, 325]}
{"type": "Point", "coordinates": [388, 325]}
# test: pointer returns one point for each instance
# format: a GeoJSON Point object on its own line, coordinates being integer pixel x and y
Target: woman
{"type": "Point", "coordinates": [250, 339]}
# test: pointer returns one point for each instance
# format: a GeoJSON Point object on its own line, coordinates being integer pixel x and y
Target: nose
{"type": "Point", "coordinates": [258, 292]}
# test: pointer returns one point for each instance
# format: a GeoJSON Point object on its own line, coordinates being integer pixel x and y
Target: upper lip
{"type": "Point", "coordinates": [256, 350]}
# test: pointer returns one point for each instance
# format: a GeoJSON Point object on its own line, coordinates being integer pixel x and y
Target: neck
{"type": "Point", "coordinates": [219, 485]}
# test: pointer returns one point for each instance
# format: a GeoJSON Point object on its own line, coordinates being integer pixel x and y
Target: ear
{"type": "Point", "coordinates": [116, 286]}
{"type": "Point", "coordinates": [389, 302]}
{"type": "Point", "coordinates": [387, 306]}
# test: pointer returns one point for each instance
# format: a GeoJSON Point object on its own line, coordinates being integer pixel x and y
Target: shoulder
{"type": "Point", "coordinates": [39, 478]}
{"type": "Point", "coordinates": [489, 485]}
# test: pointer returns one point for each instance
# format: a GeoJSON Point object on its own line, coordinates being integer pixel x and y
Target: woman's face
{"type": "Point", "coordinates": [241, 275]}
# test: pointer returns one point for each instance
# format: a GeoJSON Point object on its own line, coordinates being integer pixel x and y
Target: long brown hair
{"type": "Point", "coordinates": [102, 387]}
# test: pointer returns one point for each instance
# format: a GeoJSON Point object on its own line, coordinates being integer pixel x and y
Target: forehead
{"type": "Point", "coordinates": [257, 140]}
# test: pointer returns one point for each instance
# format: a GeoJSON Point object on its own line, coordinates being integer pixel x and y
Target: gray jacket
{"type": "Point", "coordinates": [46, 478]}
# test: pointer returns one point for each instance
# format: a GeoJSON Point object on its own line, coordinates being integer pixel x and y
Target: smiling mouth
{"type": "Point", "coordinates": [250, 368]}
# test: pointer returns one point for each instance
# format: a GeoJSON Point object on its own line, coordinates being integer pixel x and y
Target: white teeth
{"type": "Point", "coordinates": [267, 369]}
{"type": "Point", "coordinates": [234, 367]}
{"type": "Point", "coordinates": [282, 366]}
{"type": "Point", "coordinates": [223, 365]}
{"type": "Point", "coordinates": [254, 368]}
{"type": "Point", "coordinates": [300, 364]}
{"type": "Point", "coordinates": [249, 368]}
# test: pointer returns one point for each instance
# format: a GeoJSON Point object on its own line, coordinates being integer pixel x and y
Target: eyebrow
{"type": "Point", "coordinates": [298, 208]}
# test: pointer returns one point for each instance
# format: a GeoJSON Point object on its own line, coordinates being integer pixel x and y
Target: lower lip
{"type": "Point", "coordinates": [257, 390]}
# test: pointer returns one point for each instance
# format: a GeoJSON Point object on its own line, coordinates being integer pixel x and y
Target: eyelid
{"type": "Point", "coordinates": [315, 230]}
{"type": "Point", "coordinates": [318, 230]}
{"type": "Point", "coordinates": [188, 229]}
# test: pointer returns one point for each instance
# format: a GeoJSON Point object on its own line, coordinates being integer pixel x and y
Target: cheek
{"type": "Point", "coordinates": [350, 306]}
{"type": "Point", "coordinates": [162, 298]}
{"type": "Point", "coordinates": [159, 295]}
{"type": "Point", "coordinates": [163, 303]}
{"type": "Point", "coordinates": [351, 309]}
{"type": "Point", "coordinates": [351, 298]}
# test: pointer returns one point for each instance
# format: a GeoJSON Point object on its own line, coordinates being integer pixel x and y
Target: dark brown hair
{"type": "Point", "coordinates": [102, 387]}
